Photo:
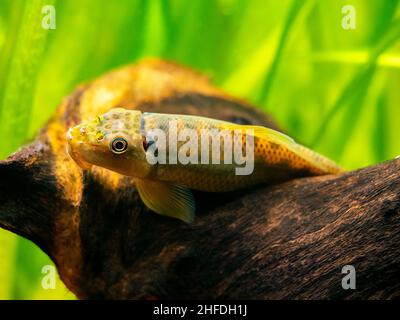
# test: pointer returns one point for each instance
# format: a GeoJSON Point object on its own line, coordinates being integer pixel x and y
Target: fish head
{"type": "Point", "coordinates": [112, 141]}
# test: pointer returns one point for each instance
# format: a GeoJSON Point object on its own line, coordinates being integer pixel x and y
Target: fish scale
{"type": "Point", "coordinates": [273, 162]}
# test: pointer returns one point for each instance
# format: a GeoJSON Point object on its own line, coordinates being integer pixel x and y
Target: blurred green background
{"type": "Point", "coordinates": [335, 90]}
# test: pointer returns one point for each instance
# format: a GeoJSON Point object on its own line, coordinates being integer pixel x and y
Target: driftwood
{"type": "Point", "coordinates": [283, 241]}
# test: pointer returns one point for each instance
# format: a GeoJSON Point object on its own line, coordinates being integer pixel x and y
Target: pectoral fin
{"type": "Point", "coordinates": [167, 199]}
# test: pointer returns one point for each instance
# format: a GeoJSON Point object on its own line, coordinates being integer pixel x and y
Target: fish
{"type": "Point", "coordinates": [168, 155]}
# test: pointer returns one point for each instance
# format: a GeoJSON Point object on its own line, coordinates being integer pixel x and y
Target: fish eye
{"type": "Point", "coordinates": [119, 145]}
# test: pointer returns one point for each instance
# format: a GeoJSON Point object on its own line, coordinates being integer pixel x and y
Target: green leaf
{"type": "Point", "coordinates": [355, 91]}
{"type": "Point", "coordinates": [19, 83]}
{"type": "Point", "coordinates": [8, 243]}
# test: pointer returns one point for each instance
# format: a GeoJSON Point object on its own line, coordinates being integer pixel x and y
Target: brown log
{"type": "Point", "coordinates": [275, 242]}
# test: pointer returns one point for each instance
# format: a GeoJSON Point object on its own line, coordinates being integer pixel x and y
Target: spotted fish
{"type": "Point", "coordinates": [125, 141]}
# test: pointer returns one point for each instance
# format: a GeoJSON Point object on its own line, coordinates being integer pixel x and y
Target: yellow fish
{"type": "Point", "coordinates": [170, 154]}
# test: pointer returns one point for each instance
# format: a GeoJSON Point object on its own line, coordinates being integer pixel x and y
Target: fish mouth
{"type": "Point", "coordinates": [73, 134]}
{"type": "Point", "coordinates": [78, 160]}
{"type": "Point", "coordinates": [70, 134]}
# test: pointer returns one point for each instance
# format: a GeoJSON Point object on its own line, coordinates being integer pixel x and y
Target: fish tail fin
{"type": "Point", "coordinates": [317, 161]}
{"type": "Point", "coordinates": [323, 163]}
